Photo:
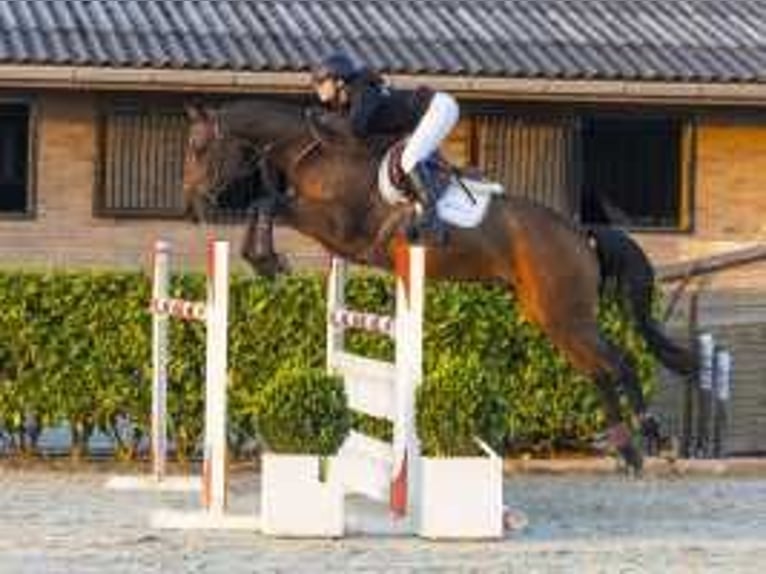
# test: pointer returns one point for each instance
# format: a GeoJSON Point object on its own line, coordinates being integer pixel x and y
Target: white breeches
{"type": "Point", "coordinates": [435, 125]}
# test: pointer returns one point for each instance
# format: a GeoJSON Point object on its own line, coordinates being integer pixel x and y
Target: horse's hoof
{"type": "Point", "coordinates": [620, 438]}
{"type": "Point", "coordinates": [650, 433]}
{"type": "Point", "coordinates": [514, 520]}
{"type": "Point", "coordinates": [268, 266]}
{"type": "Point", "coordinates": [633, 458]}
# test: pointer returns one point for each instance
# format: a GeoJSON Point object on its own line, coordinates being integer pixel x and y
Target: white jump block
{"type": "Point", "coordinates": [365, 517]}
{"type": "Point", "coordinates": [462, 497]}
{"type": "Point", "coordinates": [166, 484]}
{"type": "Point", "coordinates": [203, 520]}
{"type": "Point", "coordinates": [295, 502]}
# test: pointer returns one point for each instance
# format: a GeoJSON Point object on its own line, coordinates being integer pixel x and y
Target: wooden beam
{"type": "Point", "coordinates": [469, 87]}
{"type": "Point", "coordinates": [711, 264]}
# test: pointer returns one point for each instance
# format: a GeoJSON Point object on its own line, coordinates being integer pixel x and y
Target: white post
{"type": "Point", "coordinates": [336, 299]}
{"type": "Point", "coordinates": [217, 310]}
{"type": "Point", "coordinates": [707, 348]}
{"type": "Point", "coordinates": [159, 361]}
{"type": "Point", "coordinates": [722, 390]}
{"type": "Point", "coordinates": [723, 375]}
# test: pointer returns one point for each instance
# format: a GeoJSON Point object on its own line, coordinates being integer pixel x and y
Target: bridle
{"type": "Point", "coordinates": [257, 158]}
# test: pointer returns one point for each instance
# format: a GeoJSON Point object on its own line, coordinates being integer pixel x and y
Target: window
{"type": "Point", "coordinates": [532, 155]}
{"type": "Point", "coordinates": [142, 160]}
{"type": "Point", "coordinates": [15, 185]}
{"type": "Point", "coordinates": [633, 172]}
{"type": "Point", "coordinates": [143, 146]}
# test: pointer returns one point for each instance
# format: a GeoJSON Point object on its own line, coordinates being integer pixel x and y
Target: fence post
{"type": "Point", "coordinates": [706, 346]}
{"type": "Point", "coordinates": [722, 393]}
{"type": "Point", "coordinates": [160, 282]}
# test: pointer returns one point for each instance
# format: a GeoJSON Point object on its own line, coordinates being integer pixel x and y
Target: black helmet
{"type": "Point", "coordinates": [338, 65]}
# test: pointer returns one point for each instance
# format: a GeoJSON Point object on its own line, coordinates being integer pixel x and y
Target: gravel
{"type": "Point", "coordinates": [66, 522]}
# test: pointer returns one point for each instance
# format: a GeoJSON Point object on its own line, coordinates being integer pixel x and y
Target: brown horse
{"type": "Point", "coordinates": [333, 198]}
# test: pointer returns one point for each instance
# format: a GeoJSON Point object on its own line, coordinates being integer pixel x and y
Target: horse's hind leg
{"type": "Point", "coordinates": [595, 357]}
{"type": "Point", "coordinates": [631, 386]}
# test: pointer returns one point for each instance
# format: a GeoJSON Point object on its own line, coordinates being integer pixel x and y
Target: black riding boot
{"type": "Point", "coordinates": [427, 190]}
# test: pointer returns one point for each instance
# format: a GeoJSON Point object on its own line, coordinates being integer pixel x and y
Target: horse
{"type": "Point", "coordinates": [550, 263]}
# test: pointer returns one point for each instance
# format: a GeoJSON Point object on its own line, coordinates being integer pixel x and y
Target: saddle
{"type": "Point", "coordinates": [395, 187]}
{"type": "Point", "coordinates": [392, 163]}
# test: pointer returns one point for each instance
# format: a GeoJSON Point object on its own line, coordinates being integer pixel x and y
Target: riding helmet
{"type": "Point", "coordinates": [338, 65]}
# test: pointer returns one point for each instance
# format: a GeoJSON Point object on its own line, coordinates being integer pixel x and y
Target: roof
{"type": "Point", "coordinates": [654, 40]}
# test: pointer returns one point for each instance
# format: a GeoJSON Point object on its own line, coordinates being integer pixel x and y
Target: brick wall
{"type": "Point", "coordinates": [729, 202]}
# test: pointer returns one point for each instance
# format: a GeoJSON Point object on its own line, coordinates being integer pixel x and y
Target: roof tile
{"type": "Point", "coordinates": [672, 40]}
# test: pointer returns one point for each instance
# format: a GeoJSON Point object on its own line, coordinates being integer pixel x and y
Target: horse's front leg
{"type": "Point", "coordinates": [258, 245]}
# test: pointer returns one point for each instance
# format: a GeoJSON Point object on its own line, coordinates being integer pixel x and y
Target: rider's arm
{"type": "Point", "coordinates": [364, 104]}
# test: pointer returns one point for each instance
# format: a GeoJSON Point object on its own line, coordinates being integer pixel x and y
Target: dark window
{"type": "Point", "coordinates": [143, 147]}
{"type": "Point", "coordinates": [15, 196]}
{"type": "Point", "coordinates": [632, 172]}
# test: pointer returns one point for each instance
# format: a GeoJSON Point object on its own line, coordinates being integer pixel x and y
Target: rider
{"type": "Point", "coordinates": [374, 108]}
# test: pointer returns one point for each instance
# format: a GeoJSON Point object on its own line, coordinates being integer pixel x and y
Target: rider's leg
{"type": "Point", "coordinates": [435, 125]}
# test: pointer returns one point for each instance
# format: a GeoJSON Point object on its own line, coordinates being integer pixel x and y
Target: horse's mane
{"type": "Point", "coordinates": [263, 120]}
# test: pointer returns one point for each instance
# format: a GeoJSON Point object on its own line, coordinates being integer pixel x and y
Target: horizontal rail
{"type": "Point", "coordinates": [382, 324]}
{"type": "Point", "coordinates": [180, 308]}
{"type": "Point", "coordinates": [712, 264]}
{"type": "Point", "coordinates": [369, 383]}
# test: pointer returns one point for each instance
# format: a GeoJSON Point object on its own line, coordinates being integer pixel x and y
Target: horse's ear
{"type": "Point", "coordinates": [196, 112]}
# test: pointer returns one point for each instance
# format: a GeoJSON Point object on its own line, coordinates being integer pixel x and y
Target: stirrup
{"type": "Point", "coordinates": [425, 226]}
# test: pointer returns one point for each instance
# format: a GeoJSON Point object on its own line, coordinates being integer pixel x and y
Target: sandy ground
{"type": "Point", "coordinates": [66, 522]}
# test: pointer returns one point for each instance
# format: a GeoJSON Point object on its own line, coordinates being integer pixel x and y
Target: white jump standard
{"type": "Point", "coordinates": [382, 471]}
{"type": "Point", "coordinates": [162, 308]}
{"type": "Point", "coordinates": [214, 313]}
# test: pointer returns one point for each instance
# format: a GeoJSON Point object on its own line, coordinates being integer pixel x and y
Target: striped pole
{"type": "Point", "coordinates": [217, 311]}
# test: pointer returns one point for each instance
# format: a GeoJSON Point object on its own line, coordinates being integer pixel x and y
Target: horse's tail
{"type": "Point", "coordinates": [624, 265]}
{"type": "Point", "coordinates": [675, 357]}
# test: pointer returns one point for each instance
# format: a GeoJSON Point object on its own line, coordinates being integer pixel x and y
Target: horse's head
{"type": "Point", "coordinates": [211, 161]}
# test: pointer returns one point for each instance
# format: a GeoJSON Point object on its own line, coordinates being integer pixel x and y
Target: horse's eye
{"type": "Point", "coordinates": [197, 145]}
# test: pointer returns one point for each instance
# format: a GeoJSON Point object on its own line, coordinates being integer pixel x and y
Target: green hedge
{"type": "Point", "coordinates": [75, 348]}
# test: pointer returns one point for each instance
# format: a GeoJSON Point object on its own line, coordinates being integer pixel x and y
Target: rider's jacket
{"type": "Point", "coordinates": [377, 109]}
